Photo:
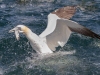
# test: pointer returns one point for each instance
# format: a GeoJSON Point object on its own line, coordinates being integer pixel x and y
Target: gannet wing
{"type": "Point", "coordinates": [59, 27]}
{"type": "Point", "coordinates": [55, 34]}
{"type": "Point", "coordinates": [58, 37]}
{"type": "Point", "coordinates": [61, 34]}
{"type": "Point", "coordinates": [64, 12]}
{"type": "Point", "coordinates": [75, 27]}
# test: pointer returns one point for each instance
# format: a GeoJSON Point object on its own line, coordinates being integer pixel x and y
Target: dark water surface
{"type": "Point", "coordinates": [18, 58]}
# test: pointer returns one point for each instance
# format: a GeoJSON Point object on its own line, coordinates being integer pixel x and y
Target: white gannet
{"type": "Point", "coordinates": [57, 33]}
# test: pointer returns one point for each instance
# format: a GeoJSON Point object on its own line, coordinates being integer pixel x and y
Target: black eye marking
{"type": "Point", "coordinates": [19, 28]}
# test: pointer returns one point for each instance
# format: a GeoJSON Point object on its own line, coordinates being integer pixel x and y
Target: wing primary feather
{"type": "Point", "coordinates": [75, 27]}
{"type": "Point", "coordinates": [85, 32]}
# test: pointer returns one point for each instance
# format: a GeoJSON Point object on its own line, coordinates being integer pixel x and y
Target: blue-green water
{"type": "Point", "coordinates": [18, 58]}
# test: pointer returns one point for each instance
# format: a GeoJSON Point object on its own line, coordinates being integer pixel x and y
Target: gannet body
{"type": "Point", "coordinates": [37, 43]}
{"type": "Point", "coordinates": [57, 33]}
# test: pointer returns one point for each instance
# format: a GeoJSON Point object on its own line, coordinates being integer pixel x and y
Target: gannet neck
{"type": "Point", "coordinates": [32, 37]}
{"type": "Point", "coordinates": [37, 43]}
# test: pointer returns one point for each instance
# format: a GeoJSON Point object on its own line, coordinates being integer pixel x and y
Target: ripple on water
{"type": "Point", "coordinates": [54, 64]}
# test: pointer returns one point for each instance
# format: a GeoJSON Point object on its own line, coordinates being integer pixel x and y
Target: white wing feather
{"type": "Point", "coordinates": [52, 19]}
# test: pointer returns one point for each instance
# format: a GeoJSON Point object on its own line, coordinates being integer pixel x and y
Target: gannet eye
{"type": "Point", "coordinates": [19, 30]}
{"type": "Point", "coordinates": [12, 30]}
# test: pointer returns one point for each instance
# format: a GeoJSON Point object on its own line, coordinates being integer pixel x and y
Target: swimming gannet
{"type": "Point", "coordinates": [57, 33]}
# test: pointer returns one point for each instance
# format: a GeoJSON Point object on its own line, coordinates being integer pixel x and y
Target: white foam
{"type": "Point", "coordinates": [3, 6]}
{"type": "Point", "coordinates": [1, 71]}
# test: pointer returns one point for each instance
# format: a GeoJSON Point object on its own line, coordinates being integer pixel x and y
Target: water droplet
{"type": "Point", "coordinates": [3, 6]}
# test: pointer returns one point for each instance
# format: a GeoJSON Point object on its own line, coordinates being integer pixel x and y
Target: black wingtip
{"type": "Point", "coordinates": [90, 33]}
{"type": "Point", "coordinates": [94, 35]}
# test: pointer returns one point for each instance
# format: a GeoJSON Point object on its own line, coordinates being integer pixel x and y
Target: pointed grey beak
{"type": "Point", "coordinates": [12, 30]}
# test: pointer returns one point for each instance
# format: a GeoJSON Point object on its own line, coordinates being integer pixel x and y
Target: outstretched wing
{"type": "Point", "coordinates": [61, 34]}
{"type": "Point", "coordinates": [65, 12]}
{"type": "Point", "coordinates": [59, 28]}
{"type": "Point", "coordinates": [75, 27]}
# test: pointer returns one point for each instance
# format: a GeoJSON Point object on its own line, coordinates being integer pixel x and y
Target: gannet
{"type": "Point", "coordinates": [57, 33]}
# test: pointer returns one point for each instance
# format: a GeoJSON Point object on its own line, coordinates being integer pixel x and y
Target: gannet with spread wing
{"type": "Point", "coordinates": [57, 33]}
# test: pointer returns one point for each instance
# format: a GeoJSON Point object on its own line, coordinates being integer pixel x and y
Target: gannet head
{"type": "Point", "coordinates": [20, 29]}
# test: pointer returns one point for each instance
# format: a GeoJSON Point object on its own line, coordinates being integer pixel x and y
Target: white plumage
{"type": "Point", "coordinates": [56, 34]}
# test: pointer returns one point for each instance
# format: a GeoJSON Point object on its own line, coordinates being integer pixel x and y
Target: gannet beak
{"type": "Point", "coordinates": [12, 30]}
{"type": "Point", "coordinates": [16, 32]}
